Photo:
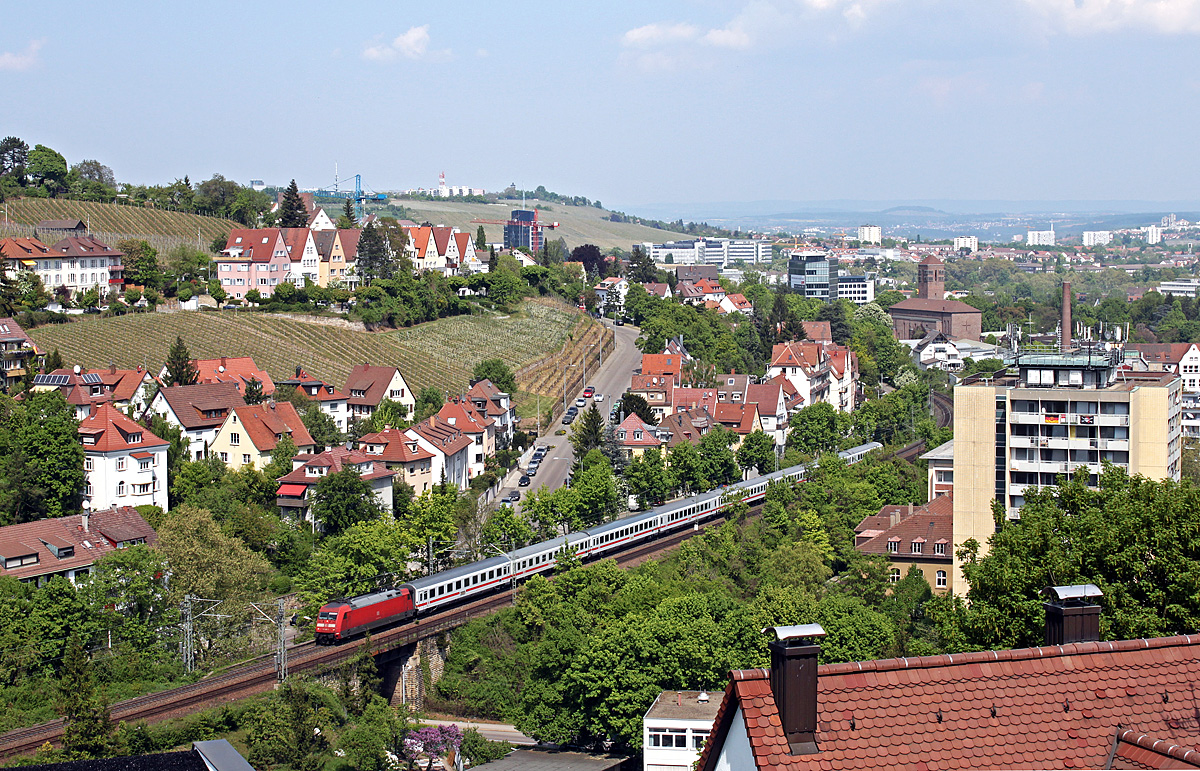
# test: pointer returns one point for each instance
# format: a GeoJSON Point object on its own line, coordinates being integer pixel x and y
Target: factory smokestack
{"type": "Point", "coordinates": [1066, 317]}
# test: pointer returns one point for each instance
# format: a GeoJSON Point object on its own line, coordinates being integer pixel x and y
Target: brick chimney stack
{"type": "Point", "coordinates": [794, 652]}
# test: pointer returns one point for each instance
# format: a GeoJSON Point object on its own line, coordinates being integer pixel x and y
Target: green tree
{"type": "Point", "coordinates": [351, 562]}
{"type": "Point", "coordinates": [88, 731]}
{"type": "Point", "coordinates": [292, 211]}
{"type": "Point", "coordinates": [181, 370]}
{"type": "Point", "coordinates": [506, 529]}
{"type": "Point", "coordinates": [717, 458]}
{"type": "Point", "coordinates": [687, 468]}
{"type": "Point", "coordinates": [633, 404]}
{"type": "Point", "coordinates": [480, 239]}
{"type": "Point", "coordinates": [54, 361]}
{"type": "Point", "coordinates": [321, 426]}
{"type": "Point", "coordinates": [373, 260]}
{"type": "Point", "coordinates": [344, 499]}
{"type": "Point", "coordinates": [588, 433]}
{"type": "Point", "coordinates": [498, 372]}
{"type": "Point", "coordinates": [141, 264]}
{"type": "Point", "coordinates": [429, 401]}
{"type": "Point", "coordinates": [47, 168]}
{"type": "Point", "coordinates": [347, 220]}
{"type": "Point", "coordinates": [204, 561]}
{"type": "Point", "coordinates": [41, 469]}
{"type": "Point", "coordinates": [814, 429]}
{"type": "Point", "coordinates": [641, 268]}
{"type": "Point", "coordinates": [648, 478]}
{"type": "Point", "coordinates": [757, 452]}
{"type": "Point", "coordinates": [254, 392]}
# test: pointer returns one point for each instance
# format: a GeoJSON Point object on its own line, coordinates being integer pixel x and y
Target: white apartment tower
{"type": "Point", "coordinates": [870, 234]}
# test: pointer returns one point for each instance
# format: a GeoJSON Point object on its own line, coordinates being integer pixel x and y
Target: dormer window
{"type": "Point", "coordinates": [918, 547]}
{"type": "Point", "coordinates": [135, 438]}
{"type": "Point", "coordinates": [893, 546]}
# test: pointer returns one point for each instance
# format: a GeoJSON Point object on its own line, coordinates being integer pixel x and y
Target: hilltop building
{"type": "Point", "coordinates": [929, 311]}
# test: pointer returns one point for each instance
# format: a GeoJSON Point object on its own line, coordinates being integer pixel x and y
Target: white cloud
{"type": "Point", "coordinates": [20, 62]}
{"type": "Point", "coordinates": [659, 34]}
{"type": "Point", "coordinates": [1082, 17]}
{"type": "Point", "coordinates": [411, 44]}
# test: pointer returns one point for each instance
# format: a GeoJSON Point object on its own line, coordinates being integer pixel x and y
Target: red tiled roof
{"type": "Point", "coordinates": [631, 425]}
{"type": "Point", "coordinates": [106, 529]}
{"type": "Point", "coordinates": [1056, 707]}
{"type": "Point", "coordinates": [651, 382]}
{"type": "Point", "coordinates": [662, 364]}
{"type": "Point", "coordinates": [84, 246]}
{"type": "Point", "coordinates": [295, 239]}
{"type": "Point", "coordinates": [113, 431]}
{"type": "Point", "coordinates": [10, 331]}
{"type": "Point", "coordinates": [233, 369]}
{"type": "Point", "coordinates": [448, 439]}
{"type": "Point", "coordinates": [931, 260]}
{"type": "Point", "coordinates": [464, 416]}
{"type": "Point", "coordinates": [463, 241]}
{"type": "Point", "coordinates": [264, 422]}
{"type": "Point", "coordinates": [335, 459]}
{"type": "Point", "coordinates": [372, 381]}
{"type": "Point", "coordinates": [123, 383]}
{"type": "Point", "coordinates": [349, 238]}
{"type": "Point", "coordinates": [817, 330]}
{"type": "Point", "coordinates": [441, 239]}
{"type": "Point", "coordinates": [740, 302]}
{"type": "Point", "coordinates": [657, 289]}
{"type": "Point", "coordinates": [23, 248]}
{"type": "Point", "coordinates": [933, 306]}
{"type": "Point", "coordinates": [256, 244]}
{"type": "Point", "coordinates": [421, 239]}
{"type": "Point", "coordinates": [738, 418]}
{"type": "Point", "coordinates": [766, 395]}
{"type": "Point", "coordinates": [1161, 353]}
{"type": "Point", "coordinates": [486, 392]}
{"type": "Point", "coordinates": [189, 403]}
{"type": "Point", "coordinates": [797, 353]}
{"type": "Point", "coordinates": [314, 389]}
{"type": "Point", "coordinates": [395, 446]}
{"type": "Point", "coordinates": [687, 426]}
{"type": "Point", "coordinates": [690, 398]}
{"type": "Point", "coordinates": [930, 523]}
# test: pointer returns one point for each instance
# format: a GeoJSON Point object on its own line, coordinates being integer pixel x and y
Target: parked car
{"type": "Point", "coordinates": [524, 481]}
{"type": "Point", "coordinates": [570, 416]}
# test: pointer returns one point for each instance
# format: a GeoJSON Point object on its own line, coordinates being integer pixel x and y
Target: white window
{"type": "Point", "coordinates": [235, 438]}
{"type": "Point", "coordinates": [894, 575]}
{"type": "Point", "coordinates": [939, 548]}
{"type": "Point", "coordinates": [893, 546]}
{"type": "Point", "coordinates": [120, 488]}
{"type": "Point", "coordinates": [699, 736]}
{"type": "Point", "coordinates": [224, 457]}
{"type": "Point", "coordinates": [668, 737]}
{"type": "Point", "coordinates": [120, 464]}
{"type": "Point", "coordinates": [144, 464]}
{"type": "Point", "coordinates": [88, 464]}
{"type": "Point", "coordinates": [918, 547]}
{"type": "Point", "coordinates": [141, 489]}
{"type": "Point", "coordinates": [245, 458]}
{"type": "Point", "coordinates": [941, 579]}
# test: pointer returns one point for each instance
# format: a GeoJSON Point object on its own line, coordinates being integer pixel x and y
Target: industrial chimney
{"type": "Point", "coordinates": [1071, 616]}
{"type": "Point", "coordinates": [794, 683]}
{"type": "Point", "coordinates": [1066, 317]}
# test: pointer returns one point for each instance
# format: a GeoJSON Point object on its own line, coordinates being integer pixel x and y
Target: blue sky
{"type": "Point", "coordinates": [630, 103]}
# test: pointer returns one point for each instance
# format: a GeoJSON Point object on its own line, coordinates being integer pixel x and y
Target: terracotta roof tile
{"type": "Point", "coordinates": [264, 422]}
{"type": "Point", "coordinates": [110, 430]}
{"type": "Point", "coordinates": [233, 369]}
{"type": "Point", "coordinates": [895, 703]}
{"type": "Point", "coordinates": [190, 403]}
{"type": "Point", "coordinates": [392, 446]}
{"type": "Point", "coordinates": [372, 381]}
{"type": "Point", "coordinates": [106, 529]}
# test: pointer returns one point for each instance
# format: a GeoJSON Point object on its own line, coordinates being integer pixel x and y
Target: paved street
{"type": "Point", "coordinates": [497, 732]}
{"type": "Point", "coordinates": [611, 380]}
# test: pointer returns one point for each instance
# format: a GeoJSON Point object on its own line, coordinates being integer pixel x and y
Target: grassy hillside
{"type": "Point", "coordinates": [439, 354]}
{"type": "Point", "coordinates": [578, 224]}
{"type": "Point", "coordinates": [115, 218]}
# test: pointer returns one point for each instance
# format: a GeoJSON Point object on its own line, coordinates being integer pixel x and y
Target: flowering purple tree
{"type": "Point", "coordinates": [432, 742]}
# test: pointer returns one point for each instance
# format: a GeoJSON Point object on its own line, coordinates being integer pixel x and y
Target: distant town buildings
{"type": "Point", "coordinates": [970, 243]}
{"type": "Point", "coordinates": [1096, 238]}
{"type": "Point", "coordinates": [1040, 237]}
{"type": "Point", "coordinates": [1153, 235]}
{"type": "Point", "coordinates": [709, 251]}
{"type": "Point", "coordinates": [929, 311]}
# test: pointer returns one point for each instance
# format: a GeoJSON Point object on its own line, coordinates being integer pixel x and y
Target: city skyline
{"type": "Point", "coordinates": [680, 102]}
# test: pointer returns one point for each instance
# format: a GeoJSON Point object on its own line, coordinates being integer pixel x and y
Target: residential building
{"type": "Point", "coordinates": [330, 258]}
{"type": "Point", "coordinates": [741, 419]}
{"type": "Point", "coordinates": [251, 431]}
{"type": "Point", "coordinates": [819, 372]}
{"type": "Point", "coordinates": [451, 450]}
{"type": "Point", "coordinates": [367, 387]}
{"type": "Point", "coordinates": [858, 289]}
{"type": "Point", "coordinates": [18, 353]}
{"type": "Point", "coordinates": [124, 464]}
{"type": "Point", "coordinates": [941, 470]}
{"type": "Point", "coordinates": [402, 454]}
{"type": "Point", "coordinates": [936, 351]}
{"type": "Point", "coordinates": [319, 221]}
{"type": "Point", "coordinates": [769, 398]}
{"type": "Point", "coordinates": [77, 264]}
{"type": "Point", "coordinates": [199, 410]}
{"type": "Point", "coordinates": [696, 272]}
{"type": "Point", "coordinates": [736, 303]}
{"type": "Point", "coordinates": [813, 274]}
{"type": "Point", "coordinates": [970, 243]}
{"type": "Point", "coordinates": [23, 254]}
{"type": "Point", "coordinates": [911, 536]}
{"type": "Point", "coordinates": [635, 436]}
{"type": "Point", "coordinates": [1096, 238]}
{"type": "Point", "coordinates": [497, 405]}
{"type": "Point", "coordinates": [1040, 237]}
{"type": "Point", "coordinates": [659, 290]}
{"type": "Point", "coordinates": [818, 331]}
{"type": "Point", "coordinates": [675, 728]}
{"type": "Point", "coordinates": [870, 234]}
{"type": "Point", "coordinates": [297, 488]}
{"type": "Point", "coordinates": [125, 387]}
{"type": "Point", "coordinates": [929, 310]}
{"type": "Point", "coordinates": [610, 294]}
{"type": "Point", "coordinates": [686, 426]}
{"type": "Point", "coordinates": [82, 392]}
{"type": "Point", "coordinates": [332, 402]}
{"type": "Point", "coordinates": [34, 552]}
{"type": "Point", "coordinates": [1153, 235]}
{"type": "Point", "coordinates": [253, 259]}
{"type": "Point", "coordinates": [655, 389]}
{"type": "Point", "coordinates": [1051, 414]}
{"type": "Point", "coordinates": [477, 426]}
{"type": "Point", "coordinates": [239, 370]}
{"type": "Point", "coordinates": [347, 245]}
{"type": "Point", "coordinates": [302, 252]}
{"type": "Point", "coordinates": [1077, 702]}
{"type": "Point", "coordinates": [731, 388]}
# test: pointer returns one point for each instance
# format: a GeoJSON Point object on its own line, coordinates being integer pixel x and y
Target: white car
{"type": "Point", "coordinates": [580, 402]}
{"type": "Point", "coordinates": [599, 397]}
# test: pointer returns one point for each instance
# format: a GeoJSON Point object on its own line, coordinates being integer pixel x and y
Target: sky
{"type": "Point", "coordinates": [682, 102]}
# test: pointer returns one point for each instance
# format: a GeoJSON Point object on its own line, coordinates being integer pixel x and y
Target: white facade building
{"type": "Point", "coordinates": [675, 729]}
{"type": "Point", "coordinates": [709, 251]}
{"type": "Point", "coordinates": [124, 464]}
{"type": "Point", "coordinates": [1040, 237]}
{"type": "Point", "coordinates": [870, 234]}
{"type": "Point", "coordinates": [858, 289]}
{"type": "Point", "coordinates": [1181, 287]}
{"type": "Point", "coordinates": [1153, 235]}
{"type": "Point", "coordinates": [970, 243]}
{"type": "Point", "coordinates": [1096, 238]}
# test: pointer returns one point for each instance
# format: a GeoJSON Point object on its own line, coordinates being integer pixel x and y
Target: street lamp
{"type": "Point", "coordinates": [585, 353]}
{"type": "Point", "coordinates": [565, 368]}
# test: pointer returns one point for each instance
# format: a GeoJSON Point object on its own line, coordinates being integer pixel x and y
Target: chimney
{"type": "Point", "coordinates": [1071, 616]}
{"type": "Point", "coordinates": [112, 368]}
{"type": "Point", "coordinates": [222, 361]}
{"type": "Point", "coordinates": [895, 516]}
{"type": "Point", "coordinates": [794, 683]}
{"type": "Point", "coordinates": [1066, 317]}
{"type": "Point", "coordinates": [87, 515]}
{"type": "Point", "coordinates": [910, 509]}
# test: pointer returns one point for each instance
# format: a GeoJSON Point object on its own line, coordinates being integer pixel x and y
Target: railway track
{"type": "Point", "coordinates": [258, 676]}
{"type": "Point", "coordinates": [942, 407]}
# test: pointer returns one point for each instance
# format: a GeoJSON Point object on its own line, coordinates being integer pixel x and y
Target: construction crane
{"type": "Point", "coordinates": [357, 195]}
{"type": "Point", "coordinates": [535, 227]}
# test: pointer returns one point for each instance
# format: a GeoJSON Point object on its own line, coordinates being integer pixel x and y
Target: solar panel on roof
{"type": "Point", "coordinates": [51, 380]}
{"type": "Point", "coordinates": [91, 379]}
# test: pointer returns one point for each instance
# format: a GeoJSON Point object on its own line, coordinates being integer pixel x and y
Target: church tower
{"type": "Point", "coordinates": [931, 279]}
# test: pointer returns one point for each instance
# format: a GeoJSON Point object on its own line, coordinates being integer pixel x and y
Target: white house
{"type": "Point", "coordinates": [319, 220]}
{"type": "Point", "coordinates": [368, 386]}
{"type": "Point", "coordinates": [124, 464]}
{"type": "Point", "coordinates": [675, 729]}
{"type": "Point", "coordinates": [332, 402]}
{"type": "Point", "coordinates": [199, 410]}
{"type": "Point", "coordinates": [302, 251]}
{"type": "Point", "coordinates": [772, 410]}
{"type": "Point", "coordinates": [610, 293]}
{"type": "Point", "coordinates": [451, 450]}
{"type": "Point", "coordinates": [937, 351]}
{"type": "Point", "coordinates": [296, 488]}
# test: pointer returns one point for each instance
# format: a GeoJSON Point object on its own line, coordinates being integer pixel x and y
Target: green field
{"type": "Point", "coordinates": [578, 224]}
{"type": "Point", "coordinates": [116, 218]}
{"type": "Point", "coordinates": [440, 354]}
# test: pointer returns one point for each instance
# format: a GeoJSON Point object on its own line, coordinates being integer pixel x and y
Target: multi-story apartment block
{"type": "Point", "coordinates": [74, 264]}
{"type": "Point", "coordinates": [1096, 238]}
{"type": "Point", "coordinates": [870, 234]}
{"type": "Point", "coordinates": [858, 289]}
{"type": "Point", "coordinates": [253, 260]}
{"type": "Point", "coordinates": [970, 243]}
{"type": "Point", "coordinates": [813, 274]}
{"type": "Point", "coordinates": [1153, 235]}
{"type": "Point", "coordinates": [1050, 415]}
{"type": "Point", "coordinates": [124, 464]}
{"type": "Point", "coordinates": [1040, 237]}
